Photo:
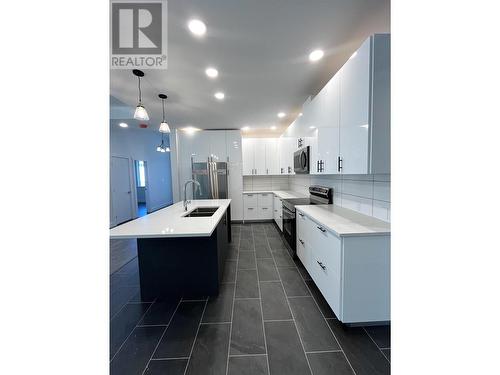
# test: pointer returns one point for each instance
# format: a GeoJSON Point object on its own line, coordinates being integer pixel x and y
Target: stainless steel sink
{"type": "Point", "coordinates": [202, 212]}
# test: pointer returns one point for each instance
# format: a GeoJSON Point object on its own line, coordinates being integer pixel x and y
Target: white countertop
{"type": "Point", "coordinates": [169, 222]}
{"type": "Point", "coordinates": [345, 222]}
{"type": "Point", "coordinates": [283, 194]}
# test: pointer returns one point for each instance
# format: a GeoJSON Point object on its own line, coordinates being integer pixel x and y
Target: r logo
{"type": "Point", "coordinates": [137, 28]}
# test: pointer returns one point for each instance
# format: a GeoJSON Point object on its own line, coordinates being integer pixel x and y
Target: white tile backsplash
{"type": "Point", "coordinates": [382, 191]}
{"type": "Point", "coordinates": [368, 194]}
{"type": "Point", "coordinates": [265, 183]}
{"type": "Point", "coordinates": [382, 210]}
{"type": "Point", "coordinates": [358, 188]}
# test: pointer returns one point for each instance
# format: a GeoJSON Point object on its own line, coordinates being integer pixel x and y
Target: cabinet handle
{"type": "Point", "coordinates": [301, 214]}
{"type": "Point", "coordinates": [339, 164]}
{"type": "Point", "coordinates": [264, 208]}
{"type": "Point", "coordinates": [322, 229]}
{"type": "Point", "coordinates": [302, 242]}
{"type": "Point", "coordinates": [317, 166]}
{"type": "Point", "coordinates": [275, 210]}
{"type": "Point", "coordinates": [267, 171]}
{"type": "Point", "coordinates": [321, 265]}
{"type": "Point", "coordinates": [249, 195]}
{"type": "Point", "coordinates": [250, 208]}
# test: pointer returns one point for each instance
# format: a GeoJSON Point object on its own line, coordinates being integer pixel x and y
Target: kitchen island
{"type": "Point", "coordinates": [181, 253]}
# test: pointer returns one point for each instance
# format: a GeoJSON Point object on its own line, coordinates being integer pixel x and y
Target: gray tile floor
{"type": "Point", "coordinates": [269, 318]}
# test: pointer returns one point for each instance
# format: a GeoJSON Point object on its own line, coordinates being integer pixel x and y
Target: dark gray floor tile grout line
{"type": "Point", "coordinates": [196, 336]}
{"type": "Point", "coordinates": [132, 330]}
{"type": "Point", "coordinates": [169, 359]}
{"type": "Point", "coordinates": [161, 337]}
{"type": "Point", "coordinates": [232, 307]}
{"type": "Point", "coordinates": [323, 315]}
{"type": "Point", "coordinates": [378, 347]}
{"type": "Point", "coordinates": [260, 303]}
{"type": "Point", "coordinates": [128, 302]}
{"type": "Point", "coordinates": [291, 311]}
{"type": "Point", "coordinates": [326, 321]}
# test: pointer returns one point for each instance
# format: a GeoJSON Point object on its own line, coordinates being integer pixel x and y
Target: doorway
{"type": "Point", "coordinates": [141, 187]}
{"type": "Point", "coordinates": [121, 198]}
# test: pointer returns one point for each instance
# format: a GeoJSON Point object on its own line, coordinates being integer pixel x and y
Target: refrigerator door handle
{"type": "Point", "coordinates": [210, 179]}
{"type": "Point", "coordinates": [216, 180]}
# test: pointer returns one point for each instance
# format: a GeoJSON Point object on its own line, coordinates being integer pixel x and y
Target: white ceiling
{"type": "Point", "coordinates": [260, 48]}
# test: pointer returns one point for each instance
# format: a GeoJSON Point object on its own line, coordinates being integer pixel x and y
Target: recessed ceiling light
{"type": "Point", "coordinates": [197, 27]}
{"type": "Point", "coordinates": [353, 55]}
{"type": "Point", "coordinates": [211, 72]}
{"type": "Point", "coordinates": [273, 127]}
{"type": "Point", "coordinates": [123, 125]}
{"type": "Point", "coordinates": [281, 114]}
{"type": "Point", "coordinates": [245, 128]}
{"type": "Point", "coordinates": [300, 114]}
{"type": "Point", "coordinates": [219, 95]}
{"type": "Point", "coordinates": [316, 55]}
{"type": "Point", "coordinates": [312, 127]}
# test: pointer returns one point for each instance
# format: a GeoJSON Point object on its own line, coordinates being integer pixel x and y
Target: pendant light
{"type": "Point", "coordinates": [140, 112]}
{"type": "Point", "coordinates": [162, 147]}
{"type": "Point", "coordinates": [164, 128]}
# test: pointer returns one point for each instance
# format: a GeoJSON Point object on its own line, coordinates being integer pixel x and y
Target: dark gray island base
{"type": "Point", "coordinates": [188, 267]}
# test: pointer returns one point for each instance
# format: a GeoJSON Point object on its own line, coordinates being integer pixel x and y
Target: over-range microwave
{"type": "Point", "coordinates": [301, 160]}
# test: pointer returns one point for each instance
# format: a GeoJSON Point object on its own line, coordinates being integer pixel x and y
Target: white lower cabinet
{"type": "Point", "coordinates": [278, 212]}
{"type": "Point", "coordinates": [352, 273]}
{"type": "Point", "coordinates": [258, 206]}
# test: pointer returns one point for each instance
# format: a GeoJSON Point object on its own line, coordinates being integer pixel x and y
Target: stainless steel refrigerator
{"type": "Point", "coordinates": [212, 176]}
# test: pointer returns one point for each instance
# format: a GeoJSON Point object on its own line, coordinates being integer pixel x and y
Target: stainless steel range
{"type": "Point", "coordinates": [317, 195]}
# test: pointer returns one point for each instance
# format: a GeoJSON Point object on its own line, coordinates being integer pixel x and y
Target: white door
{"type": "Point", "coordinates": [272, 160]}
{"type": "Point", "coordinates": [247, 156]}
{"type": "Point", "coordinates": [121, 191]}
{"type": "Point", "coordinates": [354, 110]}
{"type": "Point", "coordinates": [259, 156]}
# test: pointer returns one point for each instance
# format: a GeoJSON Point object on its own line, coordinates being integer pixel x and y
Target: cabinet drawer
{"type": "Point", "coordinates": [265, 200]}
{"type": "Point", "coordinates": [326, 265]}
{"type": "Point", "coordinates": [249, 200]}
{"type": "Point", "coordinates": [251, 213]}
{"type": "Point", "coordinates": [326, 248]}
{"type": "Point", "coordinates": [301, 221]}
{"type": "Point", "coordinates": [266, 213]}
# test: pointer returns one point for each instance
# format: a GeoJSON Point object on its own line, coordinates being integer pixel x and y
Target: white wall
{"type": "Point", "coordinates": [140, 144]}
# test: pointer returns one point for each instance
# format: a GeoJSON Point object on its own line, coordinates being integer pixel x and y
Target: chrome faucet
{"type": "Point", "coordinates": [195, 183]}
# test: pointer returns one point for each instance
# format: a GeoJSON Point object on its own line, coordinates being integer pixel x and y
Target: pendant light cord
{"type": "Point", "coordinates": [163, 108]}
{"type": "Point", "coordinates": [140, 94]}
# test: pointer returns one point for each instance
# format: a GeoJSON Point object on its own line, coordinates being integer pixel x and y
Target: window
{"type": "Point", "coordinates": [140, 173]}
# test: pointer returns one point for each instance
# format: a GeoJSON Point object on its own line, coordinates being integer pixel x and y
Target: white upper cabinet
{"type": "Point", "coordinates": [365, 108]}
{"type": "Point", "coordinates": [233, 146]}
{"type": "Point", "coordinates": [247, 147]}
{"type": "Point", "coordinates": [217, 142]}
{"type": "Point", "coordinates": [355, 109]}
{"type": "Point", "coordinates": [259, 148]}
{"type": "Point", "coordinates": [286, 149]}
{"type": "Point", "coordinates": [351, 115]}
{"type": "Point", "coordinates": [260, 156]}
{"type": "Point", "coordinates": [272, 158]}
